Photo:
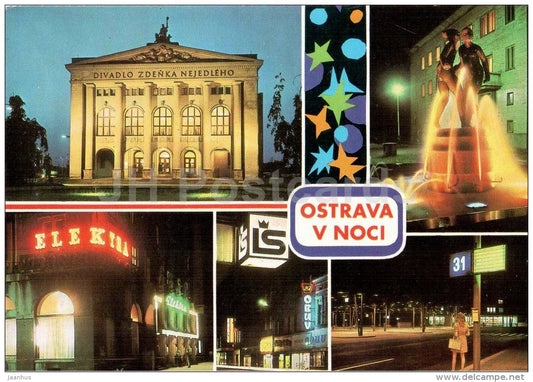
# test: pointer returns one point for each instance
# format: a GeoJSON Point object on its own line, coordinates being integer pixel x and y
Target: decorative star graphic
{"type": "Point", "coordinates": [320, 121]}
{"type": "Point", "coordinates": [320, 55]}
{"type": "Point", "coordinates": [348, 86]}
{"type": "Point", "coordinates": [345, 166]}
{"type": "Point", "coordinates": [323, 158]}
{"type": "Point", "coordinates": [337, 102]}
{"type": "Point", "coordinates": [334, 84]}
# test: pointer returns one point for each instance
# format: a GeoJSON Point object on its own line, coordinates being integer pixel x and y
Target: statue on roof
{"type": "Point", "coordinates": [162, 35]}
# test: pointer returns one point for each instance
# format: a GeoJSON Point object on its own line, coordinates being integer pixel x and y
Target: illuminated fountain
{"type": "Point", "coordinates": [466, 171]}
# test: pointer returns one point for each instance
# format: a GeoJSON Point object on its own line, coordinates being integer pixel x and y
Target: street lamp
{"type": "Point", "coordinates": [397, 89]}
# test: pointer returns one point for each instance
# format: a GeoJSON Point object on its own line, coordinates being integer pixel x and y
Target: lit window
{"type": "Point", "coordinates": [54, 329]}
{"type": "Point", "coordinates": [189, 160]}
{"type": "Point", "coordinates": [135, 315]}
{"type": "Point", "coordinates": [220, 121]}
{"type": "Point", "coordinates": [510, 98]}
{"type": "Point", "coordinates": [164, 163]}
{"type": "Point", "coordinates": [225, 243]}
{"type": "Point", "coordinates": [191, 121]}
{"type": "Point", "coordinates": [430, 59]}
{"type": "Point", "coordinates": [490, 62]}
{"type": "Point", "coordinates": [423, 63]}
{"type": "Point", "coordinates": [510, 127]}
{"type": "Point", "coordinates": [105, 122]}
{"type": "Point", "coordinates": [430, 87]}
{"type": "Point", "coordinates": [509, 58]}
{"type": "Point", "coordinates": [11, 328]}
{"type": "Point", "coordinates": [487, 23]}
{"type": "Point", "coordinates": [437, 53]}
{"type": "Point", "coordinates": [134, 121]}
{"type": "Point", "coordinates": [423, 90]}
{"type": "Point", "coordinates": [509, 13]}
{"type": "Point", "coordinates": [162, 121]}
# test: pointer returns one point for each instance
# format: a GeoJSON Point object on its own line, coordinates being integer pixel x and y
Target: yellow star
{"type": "Point", "coordinates": [345, 166]}
{"type": "Point", "coordinates": [320, 121]}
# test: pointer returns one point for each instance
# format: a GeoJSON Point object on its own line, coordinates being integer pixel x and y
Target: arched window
{"type": "Point", "coordinates": [136, 318]}
{"type": "Point", "coordinates": [163, 121]}
{"type": "Point", "coordinates": [190, 163]}
{"type": "Point", "coordinates": [134, 121]}
{"type": "Point", "coordinates": [54, 329]}
{"type": "Point", "coordinates": [164, 163]}
{"type": "Point", "coordinates": [138, 162]}
{"type": "Point", "coordinates": [105, 122]}
{"type": "Point", "coordinates": [191, 121]}
{"type": "Point", "coordinates": [220, 121]}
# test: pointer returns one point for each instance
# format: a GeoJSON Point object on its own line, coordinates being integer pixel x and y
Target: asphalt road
{"type": "Point", "coordinates": [414, 351]}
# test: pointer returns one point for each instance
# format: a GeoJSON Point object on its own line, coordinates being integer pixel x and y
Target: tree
{"type": "Point", "coordinates": [25, 145]}
{"type": "Point", "coordinates": [287, 136]}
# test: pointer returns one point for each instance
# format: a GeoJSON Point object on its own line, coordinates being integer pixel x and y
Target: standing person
{"type": "Point", "coordinates": [475, 71]}
{"type": "Point", "coordinates": [446, 78]}
{"type": "Point", "coordinates": [188, 356]}
{"type": "Point", "coordinates": [460, 332]}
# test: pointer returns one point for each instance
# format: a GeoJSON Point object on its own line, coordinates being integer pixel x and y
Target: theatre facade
{"type": "Point", "coordinates": [165, 111]}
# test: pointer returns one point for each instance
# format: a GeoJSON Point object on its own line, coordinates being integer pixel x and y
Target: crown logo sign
{"type": "Point", "coordinates": [307, 288]}
{"type": "Point", "coordinates": [263, 224]}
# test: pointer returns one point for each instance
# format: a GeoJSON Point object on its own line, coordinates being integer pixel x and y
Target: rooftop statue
{"type": "Point", "coordinates": [162, 35]}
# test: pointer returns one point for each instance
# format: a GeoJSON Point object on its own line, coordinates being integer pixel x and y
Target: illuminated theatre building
{"type": "Point", "coordinates": [165, 111]}
{"type": "Point", "coordinates": [291, 330]}
{"type": "Point", "coordinates": [80, 296]}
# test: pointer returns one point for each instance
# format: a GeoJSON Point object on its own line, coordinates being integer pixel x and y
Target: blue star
{"type": "Point", "coordinates": [348, 86]}
{"type": "Point", "coordinates": [323, 159]}
{"type": "Point", "coordinates": [334, 84]}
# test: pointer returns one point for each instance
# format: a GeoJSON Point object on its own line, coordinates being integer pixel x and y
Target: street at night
{"type": "Point", "coordinates": [410, 349]}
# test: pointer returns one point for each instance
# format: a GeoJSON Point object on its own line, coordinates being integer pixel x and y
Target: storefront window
{"type": "Point", "coordinates": [135, 315]}
{"type": "Point", "coordinates": [54, 329]}
{"type": "Point", "coordinates": [11, 329]}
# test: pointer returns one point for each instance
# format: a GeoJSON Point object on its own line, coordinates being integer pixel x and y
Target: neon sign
{"type": "Point", "coordinates": [307, 289]}
{"type": "Point", "coordinates": [93, 237]}
{"type": "Point", "coordinates": [263, 241]}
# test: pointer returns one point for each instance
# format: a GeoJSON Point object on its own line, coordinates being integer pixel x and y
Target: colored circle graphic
{"type": "Point", "coordinates": [356, 16]}
{"type": "Point", "coordinates": [318, 16]}
{"type": "Point", "coordinates": [341, 134]}
{"type": "Point", "coordinates": [353, 48]}
{"type": "Point", "coordinates": [350, 137]}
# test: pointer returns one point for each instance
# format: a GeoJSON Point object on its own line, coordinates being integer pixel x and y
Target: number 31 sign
{"type": "Point", "coordinates": [460, 264]}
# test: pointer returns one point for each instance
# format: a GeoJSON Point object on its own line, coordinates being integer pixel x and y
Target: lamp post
{"type": "Point", "coordinates": [398, 89]}
{"type": "Point", "coordinates": [360, 321]}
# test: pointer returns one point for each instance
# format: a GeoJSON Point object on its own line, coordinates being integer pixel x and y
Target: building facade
{"type": "Point", "coordinates": [501, 32]}
{"type": "Point", "coordinates": [91, 291]}
{"type": "Point", "coordinates": [165, 111]}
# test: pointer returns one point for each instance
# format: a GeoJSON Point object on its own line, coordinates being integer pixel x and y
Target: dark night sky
{"type": "Point", "coordinates": [421, 271]}
{"type": "Point", "coordinates": [393, 31]}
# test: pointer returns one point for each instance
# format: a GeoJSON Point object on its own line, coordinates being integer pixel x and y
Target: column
{"type": "Point", "coordinates": [89, 131]}
{"type": "Point", "coordinates": [76, 130]}
{"type": "Point", "coordinates": [237, 131]}
{"type": "Point", "coordinates": [251, 128]}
